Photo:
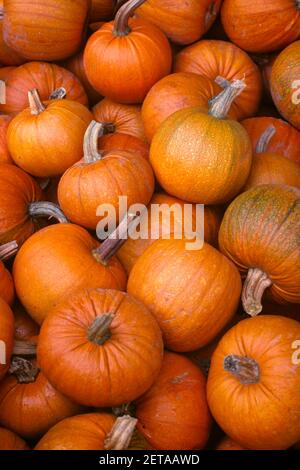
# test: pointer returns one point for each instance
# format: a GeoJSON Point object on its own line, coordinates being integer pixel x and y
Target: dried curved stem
{"type": "Point", "coordinates": [121, 27]}
{"type": "Point", "coordinates": [2, 92]}
{"type": "Point", "coordinates": [8, 250]}
{"type": "Point", "coordinates": [47, 209]}
{"type": "Point", "coordinates": [99, 331]}
{"type": "Point", "coordinates": [35, 103]}
{"type": "Point", "coordinates": [245, 369]}
{"type": "Point", "coordinates": [24, 370]}
{"type": "Point", "coordinates": [24, 348]}
{"type": "Point", "coordinates": [220, 104]}
{"type": "Point", "coordinates": [90, 142]}
{"type": "Point", "coordinates": [254, 287]}
{"type": "Point", "coordinates": [264, 139]}
{"type": "Point", "coordinates": [58, 94]}
{"type": "Point", "coordinates": [121, 434]}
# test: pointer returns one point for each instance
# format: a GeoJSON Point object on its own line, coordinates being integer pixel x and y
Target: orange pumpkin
{"type": "Point", "coordinates": [228, 444]}
{"type": "Point", "coordinates": [260, 234]}
{"type": "Point", "coordinates": [106, 339]}
{"type": "Point", "coordinates": [119, 173]}
{"type": "Point", "coordinates": [41, 286]}
{"type": "Point", "coordinates": [124, 142]}
{"type": "Point", "coordinates": [4, 153]}
{"type": "Point", "coordinates": [10, 441]}
{"type": "Point", "coordinates": [51, 30]}
{"type": "Point", "coordinates": [5, 72]}
{"type": "Point", "coordinates": [7, 290]}
{"type": "Point", "coordinates": [253, 383]}
{"type": "Point", "coordinates": [173, 414]}
{"type": "Point", "coordinates": [191, 293]}
{"type": "Point", "coordinates": [7, 55]}
{"type": "Point", "coordinates": [190, 159]}
{"type": "Point", "coordinates": [102, 10]}
{"type": "Point", "coordinates": [124, 58]}
{"type": "Point", "coordinates": [26, 328]}
{"type": "Point", "coordinates": [6, 336]}
{"type": "Point", "coordinates": [75, 65]}
{"type": "Point", "coordinates": [258, 28]}
{"type": "Point", "coordinates": [213, 58]}
{"type": "Point", "coordinates": [45, 139]}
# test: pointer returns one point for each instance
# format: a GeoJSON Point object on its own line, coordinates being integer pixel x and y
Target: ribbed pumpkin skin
{"type": "Point", "coordinates": [199, 158]}
{"type": "Point", "coordinates": [42, 285]}
{"type": "Point", "coordinates": [260, 229]}
{"type": "Point", "coordinates": [173, 414]}
{"type": "Point", "coordinates": [51, 30]}
{"type": "Point", "coordinates": [7, 55]}
{"type": "Point", "coordinates": [75, 65]}
{"type": "Point", "coordinates": [4, 153]}
{"type": "Point", "coordinates": [265, 415]}
{"type": "Point", "coordinates": [124, 142]}
{"type": "Point", "coordinates": [10, 441]}
{"type": "Point", "coordinates": [118, 371]}
{"type": "Point", "coordinates": [183, 22]}
{"type": "Point", "coordinates": [228, 444]}
{"type": "Point", "coordinates": [7, 290]}
{"type": "Point", "coordinates": [46, 78]}
{"type": "Point", "coordinates": [7, 335]}
{"type": "Point", "coordinates": [285, 83]}
{"type": "Point", "coordinates": [213, 58]}
{"type": "Point", "coordinates": [17, 190]}
{"type": "Point", "coordinates": [192, 294]}
{"type": "Point", "coordinates": [83, 432]}
{"type": "Point", "coordinates": [285, 141]}
{"type": "Point", "coordinates": [258, 27]}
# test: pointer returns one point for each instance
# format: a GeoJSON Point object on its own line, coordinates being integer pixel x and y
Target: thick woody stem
{"type": "Point", "coordinates": [254, 287]}
{"type": "Point", "coordinates": [220, 104]}
{"type": "Point", "coordinates": [47, 209]}
{"type": "Point", "coordinates": [121, 434]}
{"type": "Point", "coordinates": [58, 94]}
{"type": "Point", "coordinates": [25, 371]}
{"type": "Point", "coordinates": [245, 369]}
{"type": "Point", "coordinates": [2, 92]}
{"type": "Point", "coordinates": [90, 142]}
{"type": "Point", "coordinates": [35, 102]}
{"type": "Point", "coordinates": [8, 250]}
{"type": "Point", "coordinates": [24, 348]}
{"type": "Point", "coordinates": [264, 139]}
{"type": "Point", "coordinates": [121, 27]}
{"type": "Point", "coordinates": [99, 331]}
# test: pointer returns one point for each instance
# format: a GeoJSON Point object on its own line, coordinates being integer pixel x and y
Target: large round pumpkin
{"type": "Point", "coordinates": [253, 383]}
{"type": "Point", "coordinates": [201, 156]}
{"type": "Point", "coordinates": [192, 293]}
{"type": "Point", "coordinates": [10, 441]}
{"type": "Point", "coordinates": [124, 58]}
{"type": "Point", "coordinates": [4, 153]}
{"type": "Point", "coordinates": [260, 234]}
{"type": "Point", "coordinates": [41, 286]}
{"type": "Point", "coordinates": [46, 139]}
{"type": "Point", "coordinates": [173, 414]}
{"type": "Point", "coordinates": [6, 336]}
{"type": "Point", "coordinates": [49, 30]}
{"type": "Point", "coordinates": [213, 58]}
{"type": "Point", "coordinates": [101, 348]}
{"type": "Point", "coordinates": [261, 27]}
{"type": "Point", "coordinates": [285, 83]}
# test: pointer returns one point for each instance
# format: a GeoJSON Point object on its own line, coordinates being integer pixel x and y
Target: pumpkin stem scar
{"type": "Point", "coordinates": [254, 286]}
{"type": "Point", "coordinates": [99, 331]}
{"type": "Point", "coordinates": [121, 434]}
{"type": "Point", "coordinates": [8, 250]}
{"type": "Point", "coordinates": [24, 370]}
{"type": "Point", "coordinates": [245, 369]}
{"type": "Point", "coordinates": [121, 27]}
{"type": "Point", "coordinates": [47, 209]}
{"type": "Point", "coordinates": [220, 104]}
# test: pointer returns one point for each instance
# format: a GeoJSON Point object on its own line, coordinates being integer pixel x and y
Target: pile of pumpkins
{"type": "Point", "coordinates": [149, 345]}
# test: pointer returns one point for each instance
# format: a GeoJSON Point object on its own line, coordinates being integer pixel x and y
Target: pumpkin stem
{"type": "Point", "coordinates": [254, 286]}
{"type": "Point", "coordinates": [58, 94]}
{"type": "Point", "coordinates": [125, 409]}
{"type": "Point", "coordinates": [265, 138]}
{"type": "Point", "coordinates": [24, 370]}
{"type": "Point", "coordinates": [24, 348]}
{"type": "Point", "coordinates": [99, 331]}
{"type": "Point", "coordinates": [2, 92]}
{"type": "Point", "coordinates": [116, 239]}
{"type": "Point", "coordinates": [90, 142]}
{"type": "Point", "coordinates": [121, 27]}
{"type": "Point", "coordinates": [298, 4]}
{"type": "Point", "coordinates": [245, 369]}
{"type": "Point", "coordinates": [121, 434]}
{"type": "Point", "coordinates": [47, 209]}
{"type": "Point", "coordinates": [220, 104]}
{"type": "Point", "coordinates": [35, 102]}
{"type": "Point", "coordinates": [8, 250]}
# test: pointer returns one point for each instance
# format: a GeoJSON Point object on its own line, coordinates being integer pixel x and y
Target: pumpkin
{"type": "Point", "coordinates": [122, 118]}
{"type": "Point", "coordinates": [285, 83]}
{"type": "Point", "coordinates": [21, 205]}
{"type": "Point", "coordinates": [261, 28]}
{"type": "Point", "coordinates": [253, 383]}
{"type": "Point", "coordinates": [6, 336]}
{"type": "Point", "coordinates": [45, 139]}
{"type": "Point", "coordinates": [174, 92]}
{"type": "Point", "coordinates": [119, 173]}
{"type": "Point", "coordinates": [7, 290]}
{"type": "Point", "coordinates": [186, 291]}
{"type": "Point", "coordinates": [271, 168]}
{"type": "Point", "coordinates": [5, 72]}
{"type": "Point", "coordinates": [285, 141]}
{"type": "Point", "coordinates": [41, 286]}
{"type": "Point", "coordinates": [213, 58]}
{"type": "Point", "coordinates": [7, 55]}
{"type": "Point", "coordinates": [165, 225]}
{"type": "Point", "coordinates": [51, 30]}
{"type": "Point", "coordinates": [201, 156]}
{"type": "Point", "coordinates": [124, 142]}
{"type": "Point", "coordinates": [102, 10]}
{"type": "Point", "coordinates": [29, 404]}
{"type": "Point", "coordinates": [173, 414]}
{"type": "Point", "coordinates": [228, 444]}
{"type": "Point", "coordinates": [46, 78]}
{"type": "Point", "coordinates": [124, 58]}
{"type": "Point", "coordinates": [75, 65]}
{"type": "Point", "coordinates": [93, 431]}
{"type": "Point", "coordinates": [26, 329]}
{"type": "Point", "coordinates": [4, 153]}
{"type": "Point", "coordinates": [110, 343]}
{"type": "Point", "coordinates": [260, 234]}
{"type": "Point", "coordinates": [10, 441]}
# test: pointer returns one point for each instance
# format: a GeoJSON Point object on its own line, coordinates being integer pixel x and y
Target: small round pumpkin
{"type": "Point", "coordinates": [51, 30]}
{"type": "Point", "coordinates": [173, 414]}
{"type": "Point", "coordinates": [201, 156]}
{"type": "Point", "coordinates": [228, 444]}
{"type": "Point", "coordinates": [6, 336]}
{"type": "Point", "coordinates": [46, 139]}
{"type": "Point", "coordinates": [176, 284]}
{"type": "Point", "coordinates": [253, 383]}
{"type": "Point", "coordinates": [75, 65]}
{"type": "Point", "coordinates": [213, 58]}
{"type": "Point", "coordinates": [10, 441]}
{"type": "Point", "coordinates": [4, 153]}
{"type": "Point", "coordinates": [124, 58]}
{"type": "Point", "coordinates": [101, 178]}
{"type": "Point", "coordinates": [101, 348]}
{"type": "Point", "coordinates": [260, 234]}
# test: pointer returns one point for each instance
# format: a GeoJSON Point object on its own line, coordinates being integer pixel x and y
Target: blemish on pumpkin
{"type": "Point", "coordinates": [179, 378]}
